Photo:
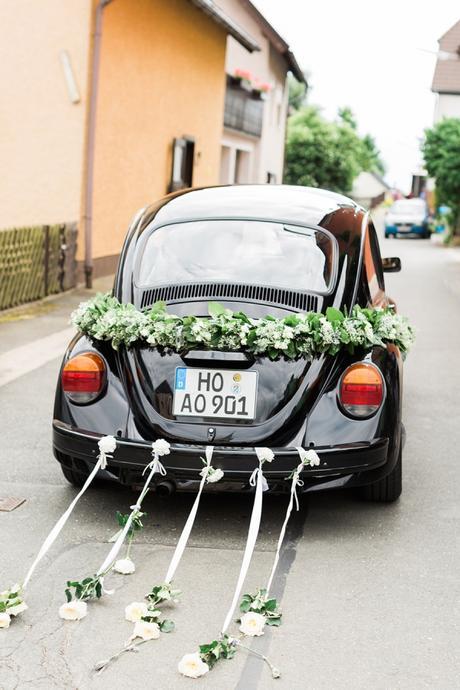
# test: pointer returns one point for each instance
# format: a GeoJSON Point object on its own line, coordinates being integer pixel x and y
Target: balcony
{"type": "Point", "coordinates": [243, 109]}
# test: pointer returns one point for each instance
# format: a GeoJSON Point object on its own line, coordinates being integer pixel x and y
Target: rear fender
{"type": "Point", "coordinates": [109, 413]}
{"type": "Point", "coordinates": [329, 425]}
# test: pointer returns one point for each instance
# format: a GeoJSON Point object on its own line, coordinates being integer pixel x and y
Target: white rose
{"type": "Point", "coordinates": [312, 457]}
{"type": "Point", "coordinates": [135, 611]}
{"type": "Point", "coordinates": [145, 630]}
{"type": "Point", "coordinates": [265, 454]}
{"type": "Point", "coordinates": [252, 624]}
{"type": "Point", "coordinates": [309, 457]}
{"type": "Point", "coordinates": [73, 610]}
{"type": "Point", "coordinates": [107, 444]}
{"type": "Point", "coordinates": [17, 609]}
{"type": "Point", "coordinates": [125, 566]}
{"type": "Point", "coordinates": [5, 620]}
{"type": "Point", "coordinates": [161, 447]}
{"type": "Point", "coordinates": [192, 665]}
{"type": "Point", "coordinates": [214, 476]}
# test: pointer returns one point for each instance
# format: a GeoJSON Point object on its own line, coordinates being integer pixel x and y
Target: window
{"type": "Point", "coordinates": [373, 267]}
{"type": "Point", "coordinates": [242, 111]}
{"type": "Point", "coordinates": [182, 164]}
{"type": "Point", "coordinates": [239, 251]}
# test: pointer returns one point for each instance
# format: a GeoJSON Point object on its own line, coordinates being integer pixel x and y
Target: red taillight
{"type": "Point", "coordinates": [83, 377]}
{"type": "Point", "coordinates": [361, 390]}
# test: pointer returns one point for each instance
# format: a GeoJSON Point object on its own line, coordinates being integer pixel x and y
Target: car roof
{"type": "Point", "coordinates": [289, 203]}
{"type": "Point", "coordinates": [340, 216]}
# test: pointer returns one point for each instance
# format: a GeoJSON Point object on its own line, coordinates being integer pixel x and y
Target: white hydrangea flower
{"type": "Point", "coordinates": [328, 334]}
{"type": "Point", "coordinates": [281, 344]}
{"type": "Point", "coordinates": [135, 611]}
{"type": "Point", "coordinates": [107, 444]}
{"type": "Point", "coordinates": [73, 610]}
{"type": "Point", "coordinates": [124, 566]}
{"type": "Point", "coordinates": [265, 454]}
{"type": "Point", "coordinates": [161, 447]}
{"type": "Point", "coordinates": [252, 624]}
{"type": "Point", "coordinates": [309, 457]}
{"type": "Point", "coordinates": [192, 666]}
{"type": "Point", "coordinates": [214, 476]}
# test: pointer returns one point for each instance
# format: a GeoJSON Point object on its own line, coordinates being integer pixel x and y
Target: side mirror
{"type": "Point", "coordinates": [391, 264]}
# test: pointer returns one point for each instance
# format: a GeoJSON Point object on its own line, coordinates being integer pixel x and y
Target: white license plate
{"type": "Point", "coordinates": [221, 394]}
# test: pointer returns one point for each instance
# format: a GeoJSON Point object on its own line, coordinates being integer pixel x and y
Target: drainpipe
{"type": "Point", "coordinates": [90, 145]}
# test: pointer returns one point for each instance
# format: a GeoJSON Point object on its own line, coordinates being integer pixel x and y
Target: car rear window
{"type": "Point", "coordinates": [409, 206]}
{"type": "Point", "coordinates": [238, 251]}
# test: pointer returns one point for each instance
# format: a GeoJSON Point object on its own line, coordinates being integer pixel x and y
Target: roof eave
{"type": "Point", "coordinates": [232, 28]}
{"type": "Point", "coordinates": [278, 42]}
{"type": "Point", "coordinates": [295, 67]}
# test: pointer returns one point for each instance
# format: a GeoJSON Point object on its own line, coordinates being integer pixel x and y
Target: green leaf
{"type": "Point", "coordinates": [245, 606]}
{"type": "Point", "coordinates": [271, 604]}
{"type": "Point", "coordinates": [158, 307]}
{"type": "Point", "coordinates": [334, 315]}
{"type": "Point", "coordinates": [272, 353]}
{"type": "Point", "coordinates": [207, 648]}
{"type": "Point", "coordinates": [292, 320]}
{"type": "Point", "coordinates": [167, 625]}
{"type": "Point", "coordinates": [68, 595]}
{"type": "Point", "coordinates": [275, 622]}
{"type": "Point", "coordinates": [215, 309]}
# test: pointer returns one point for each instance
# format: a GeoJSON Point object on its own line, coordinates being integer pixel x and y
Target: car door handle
{"type": "Point", "coordinates": [214, 358]}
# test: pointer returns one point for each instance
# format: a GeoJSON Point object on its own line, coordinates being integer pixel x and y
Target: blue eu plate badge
{"type": "Point", "coordinates": [181, 377]}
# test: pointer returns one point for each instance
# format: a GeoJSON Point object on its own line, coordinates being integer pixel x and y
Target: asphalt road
{"type": "Point", "coordinates": [370, 593]}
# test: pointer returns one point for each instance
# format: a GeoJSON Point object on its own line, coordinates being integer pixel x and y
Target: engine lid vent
{"type": "Point", "coordinates": [292, 299]}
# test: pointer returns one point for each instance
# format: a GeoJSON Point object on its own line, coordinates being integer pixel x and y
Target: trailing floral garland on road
{"type": "Point", "coordinates": [259, 609]}
{"type": "Point", "coordinates": [297, 335]}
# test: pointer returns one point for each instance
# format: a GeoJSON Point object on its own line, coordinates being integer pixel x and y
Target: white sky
{"type": "Point", "coordinates": [369, 56]}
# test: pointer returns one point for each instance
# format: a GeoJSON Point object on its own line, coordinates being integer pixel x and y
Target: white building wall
{"type": "Point", "coordinates": [447, 105]}
{"type": "Point", "coordinates": [267, 66]}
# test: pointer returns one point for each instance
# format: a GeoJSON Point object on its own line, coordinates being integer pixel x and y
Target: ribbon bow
{"type": "Point", "coordinates": [208, 451]}
{"type": "Point", "coordinates": [155, 466]}
{"type": "Point", "coordinates": [253, 479]}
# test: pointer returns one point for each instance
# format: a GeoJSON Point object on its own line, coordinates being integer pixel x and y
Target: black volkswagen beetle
{"type": "Point", "coordinates": [265, 250]}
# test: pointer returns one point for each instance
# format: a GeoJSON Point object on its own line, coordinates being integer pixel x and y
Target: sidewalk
{"type": "Point", "coordinates": [36, 333]}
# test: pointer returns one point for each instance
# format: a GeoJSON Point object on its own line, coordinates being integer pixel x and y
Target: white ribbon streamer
{"type": "Point", "coordinates": [183, 539]}
{"type": "Point", "coordinates": [296, 481]}
{"type": "Point", "coordinates": [254, 524]}
{"type": "Point", "coordinates": [156, 467]}
{"type": "Point", "coordinates": [101, 464]}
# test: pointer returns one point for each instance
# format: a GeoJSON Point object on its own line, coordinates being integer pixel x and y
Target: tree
{"type": "Point", "coordinates": [371, 156]}
{"type": "Point", "coordinates": [367, 154]}
{"type": "Point", "coordinates": [327, 154]}
{"type": "Point", "coordinates": [441, 150]}
{"type": "Point", "coordinates": [297, 93]}
{"type": "Point", "coordinates": [314, 153]}
{"type": "Point", "coordinates": [320, 153]}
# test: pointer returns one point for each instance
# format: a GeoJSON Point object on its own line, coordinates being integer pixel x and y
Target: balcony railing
{"type": "Point", "coordinates": [243, 109]}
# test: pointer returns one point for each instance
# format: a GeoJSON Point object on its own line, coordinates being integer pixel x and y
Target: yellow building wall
{"type": "Point", "coordinates": [41, 130]}
{"type": "Point", "coordinates": [162, 75]}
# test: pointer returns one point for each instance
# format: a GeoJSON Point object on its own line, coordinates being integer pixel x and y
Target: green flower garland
{"type": "Point", "coordinates": [297, 335]}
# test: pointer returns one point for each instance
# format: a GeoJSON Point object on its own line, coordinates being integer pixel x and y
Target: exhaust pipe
{"type": "Point", "coordinates": [165, 489]}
